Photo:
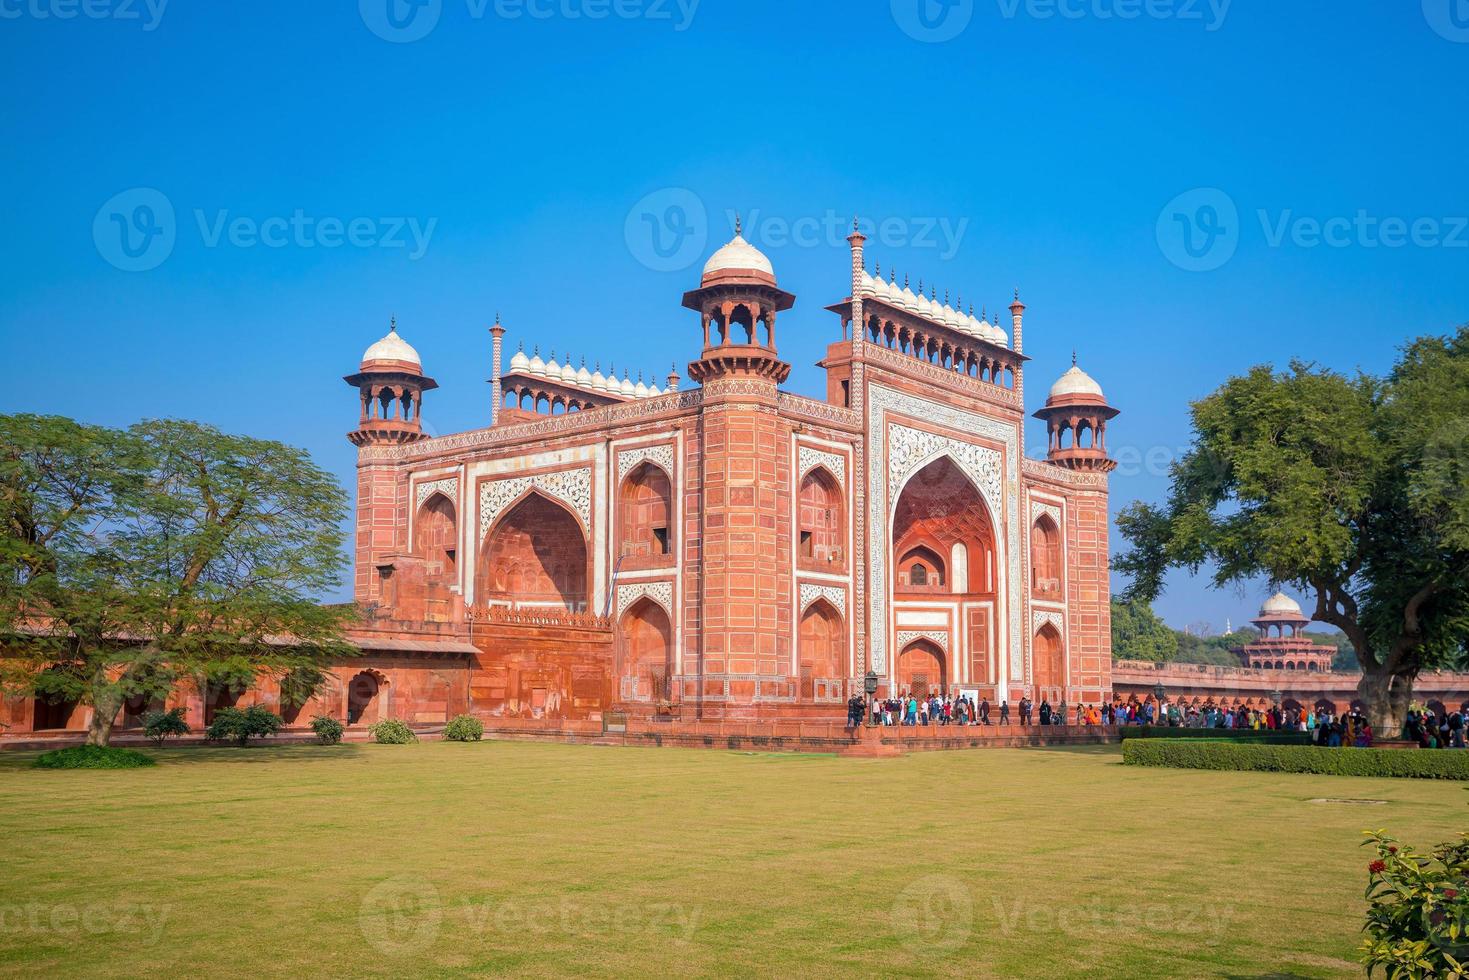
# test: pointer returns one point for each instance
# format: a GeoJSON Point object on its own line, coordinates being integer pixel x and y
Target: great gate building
{"type": "Point", "coordinates": [732, 550]}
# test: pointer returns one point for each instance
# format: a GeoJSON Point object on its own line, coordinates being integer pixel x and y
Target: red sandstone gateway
{"type": "Point", "coordinates": [740, 556]}
{"type": "Point", "coordinates": [734, 551]}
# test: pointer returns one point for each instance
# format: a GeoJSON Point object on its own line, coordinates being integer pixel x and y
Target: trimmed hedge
{"type": "Point", "coordinates": [1279, 736]}
{"type": "Point", "coordinates": [93, 757]}
{"type": "Point", "coordinates": [1235, 756]}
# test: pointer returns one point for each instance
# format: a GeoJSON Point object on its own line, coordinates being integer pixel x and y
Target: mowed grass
{"type": "Point", "coordinates": [460, 859]}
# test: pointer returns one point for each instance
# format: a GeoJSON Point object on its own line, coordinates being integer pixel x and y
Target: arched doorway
{"type": "Point", "coordinates": [1048, 659]}
{"type": "Point", "coordinates": [646, 510]}
{"type": "Point", "coordinates": [820, 526]}
{"type": "Point", "coordinates": [821, 652]}
{"type": "Point", "coordinates": [922, 669]}
{"type": "Point", "coordinates": [536, 556]}
{"type": "Point", "coordinates": [647, 653]}
{"type": "Point", "coordinates": [1045, 559]}
{"type": "Point", "coordinates": [938, 510]}
{"type": "Point", "coordinates": [365, 698]}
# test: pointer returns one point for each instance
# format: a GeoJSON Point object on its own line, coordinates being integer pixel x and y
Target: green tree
{"type": "Point", "coordinates": [130, 559]}
{"type": "Point", "coordinates": [1138, 634]}
{"type": "Point", "coordinates": [1355, 490]}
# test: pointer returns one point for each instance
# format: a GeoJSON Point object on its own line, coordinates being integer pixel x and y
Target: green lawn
{"type": "Point", "coordinates": [450, 859]}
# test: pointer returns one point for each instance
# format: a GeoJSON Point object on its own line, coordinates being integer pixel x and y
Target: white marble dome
{"type": "Point", "coordinates": [392, 348]}
{"type": "Point", "coordinates": [1280, 604]}
{"type": "Point", "coordinates": [738, 255]}
{"type": "Point", "coordinates": [1076, 382]}
{"type": "Point", "coordinates": [520, 362]}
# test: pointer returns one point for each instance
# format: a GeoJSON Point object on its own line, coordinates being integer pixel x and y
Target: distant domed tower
{"type": "Point", "coordinates": [737, 301]}
{"type": "Point", "coordinates": [391, 383]}
{"type": "Point", "coordinates": [1076, 416]}
{"type": "Point", "coordinates": [1286, 648]}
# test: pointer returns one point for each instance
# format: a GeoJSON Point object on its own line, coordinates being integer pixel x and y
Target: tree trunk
{"type": "Point", "coordinates": [99, 732]}
{"type": "Point", "coordinates": [1386, 696]}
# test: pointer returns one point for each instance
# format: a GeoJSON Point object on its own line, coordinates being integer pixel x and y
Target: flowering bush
{"type": "Point", "coordinates": [1418, 909]}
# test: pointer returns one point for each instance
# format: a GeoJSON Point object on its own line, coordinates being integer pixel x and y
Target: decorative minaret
{"type": "Point", "coordinates": [391, 384]}
{"type": "Point", "coordinates": [673, 377]}
{"type": "Point", "coordinates": [1076, 415]}
{"type": "Point", "coordinates": [1017, 315]}
{"type": "Point", "coordinates": [736, 298]}
{"type": "Point", "coordinates": [497, 392]}
{"type": "Point", "coordinates": [744, 623]}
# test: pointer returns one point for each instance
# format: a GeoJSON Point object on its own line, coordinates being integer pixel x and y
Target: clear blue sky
{"type": "Point", "coordinates": [1058, 133]}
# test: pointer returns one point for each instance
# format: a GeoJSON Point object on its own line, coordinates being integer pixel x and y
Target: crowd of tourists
{"type": "Point", "coordinates": [1326, 727]}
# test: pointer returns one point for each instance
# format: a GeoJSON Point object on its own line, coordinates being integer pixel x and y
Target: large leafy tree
{"type": "Point", "coordinates": [1354, 490]}
{"type": "Point", "coordinates": [1138, 633]}
{"type": "Point", "coordinates": [132, 559]}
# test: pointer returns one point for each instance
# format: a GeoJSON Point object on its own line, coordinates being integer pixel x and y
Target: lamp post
{"type": "Point", "coordinates": [869, 684]}
{"type": "Point", "coordinates": [1159, 692]}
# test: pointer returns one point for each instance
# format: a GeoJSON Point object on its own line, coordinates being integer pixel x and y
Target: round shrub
{"type": "Point", "coordinates": [159, 725]}
{"type": "Point", "coordinates": [391, 732]}
{"type": "Point", "coordinates": [328, 730]}
{"type": "Point", "coordinates": [465, 728]}
{"type": "Point", "coordinates": [93, 757]}
{"type": "Point", "coordinates": [240, 726]}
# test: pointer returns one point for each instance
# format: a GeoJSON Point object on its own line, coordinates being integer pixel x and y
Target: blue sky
{"type": "Point", "coordinates": [1038, 143]}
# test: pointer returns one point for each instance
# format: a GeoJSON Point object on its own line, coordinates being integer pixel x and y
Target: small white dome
{"type": "Point", "coordinates": [1075, 382]}
{"type": "Point", "coordinates": [641, 390]}
{"type": "Point", "coordinates": [392, 348]}
{"type": "Point", "coordinates": [599, 381]}
{"type": "Point", "coordinates": [738, 254]}
{"type": "Point", "coordinates": [520, 362]}
{"type": "Point", "coordinates": [627, 387]}
{"type": "Point", "coordinates": [568, 374]}
{"type": "Point", "coordinates": [553, 370]}
{"type": "Point", "coordinates": [1280, 604]}
{"type": "Point", "coordinates": [536, 365]}
{"type": "Point", "coordinates": [908, 298]}
{"type": "Point", "coordinates": [583, 376]}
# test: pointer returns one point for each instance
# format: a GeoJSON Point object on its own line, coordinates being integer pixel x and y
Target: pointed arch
{"type": "Point", "coordinates": [1048, 663]}
{"type": "Point", "coordinates": [820, 520]}
{"type": "Point", "coordinates": [436, 538]}
{"type": "Point", "coordinates": [1045, 559]}
{"type": "Point", "coordinates": [645, 515]}
{"type": "Point", "coordinates": [535, 555]}
{"type": "Point", "coordinates": [821, 651]}
{"type": "Point", "coordinates": [645, 638]}
{"type": "Point", "coordinates": [938, 507]}
{"type": "Point", "coordinates": [922, 669]}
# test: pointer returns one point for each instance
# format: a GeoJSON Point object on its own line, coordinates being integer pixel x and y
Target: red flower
{"type": "Point", "coordinates": [1377, 867]}
{"type": "Point", "coordinates": [1451, 893]}
{"type": "Point", "coordinates": [1392, 850]}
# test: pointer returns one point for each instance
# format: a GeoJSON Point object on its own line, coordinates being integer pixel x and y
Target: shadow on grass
{"type": "Point", "coordinates": [193, 755]}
